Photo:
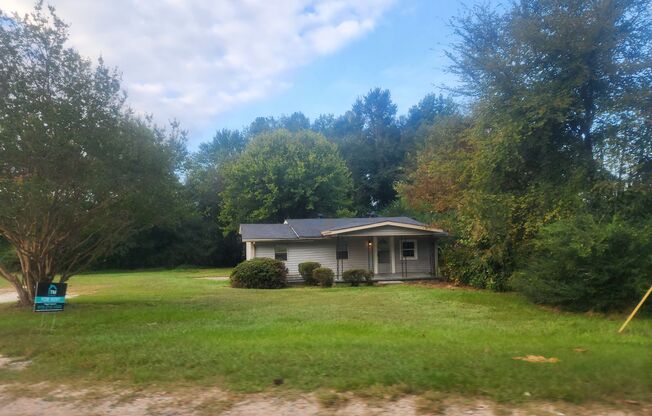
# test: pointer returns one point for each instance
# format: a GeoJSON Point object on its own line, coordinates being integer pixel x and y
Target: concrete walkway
{"type": "Point", "coordinates": [8, 296]}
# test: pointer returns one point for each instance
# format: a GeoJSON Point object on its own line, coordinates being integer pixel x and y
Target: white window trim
{"type": "Point", "coordinates": [416, 250]}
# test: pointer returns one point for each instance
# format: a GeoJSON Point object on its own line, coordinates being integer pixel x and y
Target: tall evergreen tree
{"type": "Point", "coordinates": [370, 141]}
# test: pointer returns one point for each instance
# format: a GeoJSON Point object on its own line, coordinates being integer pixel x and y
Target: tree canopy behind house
{"type": "Point", "coordinates": [283, 175]}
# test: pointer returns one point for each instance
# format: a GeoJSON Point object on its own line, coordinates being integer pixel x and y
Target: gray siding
{"type": "Point", "coordinates": [357, 254]}
{"type": "Point", "coordinates": [425, 255]}
{"type": "Point", "coordinates": [265, 250]}
{"type": "Point", "coordinates": [323, 251]}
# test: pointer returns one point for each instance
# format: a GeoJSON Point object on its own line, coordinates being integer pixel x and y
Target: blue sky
{"type": "Point", "coordinates": [213, 64]}
{"type": "Point", "coordinates": [404, 53]}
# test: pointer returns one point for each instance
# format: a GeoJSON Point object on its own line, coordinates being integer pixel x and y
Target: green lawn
{"type": "Point", "coordinates": [171, 329]}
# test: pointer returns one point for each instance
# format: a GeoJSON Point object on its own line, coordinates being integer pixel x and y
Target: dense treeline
{"type": "Point", "coordinates": [267, 172]}
{"type": "Point", "coordinates": [543, 176]}
{"type": "Point", "coordinates": [547, 183]}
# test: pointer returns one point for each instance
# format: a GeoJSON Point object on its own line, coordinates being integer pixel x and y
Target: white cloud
{"type": "Point", "coordinates": [193, 60]}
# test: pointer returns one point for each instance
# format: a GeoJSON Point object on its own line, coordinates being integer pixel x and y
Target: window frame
{"type": "Point", "coordinates": [342, 247]}
{"type": "Point", "coordinates": [416, 250]}
{"type": "Point", "coordinates": [282, 253]}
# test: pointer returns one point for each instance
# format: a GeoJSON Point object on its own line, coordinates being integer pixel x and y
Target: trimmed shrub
{"type": "Point", "coordinates": [259, 273]}
{"type": "Point", "coordinates": [357, 276]}
{"type": "Point", "coordinates": [324, 276]}
{"type": "Point", "coordinates": [583, 264]}
{"type": "Point", "coordinates": [306, 269]}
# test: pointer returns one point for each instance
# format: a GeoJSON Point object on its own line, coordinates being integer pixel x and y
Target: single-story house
{"type": "Point", "coordinates": [392, 247]}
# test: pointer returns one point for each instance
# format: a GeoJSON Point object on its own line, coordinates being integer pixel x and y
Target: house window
{"type": "Point", "coordinates": [281, 253]}
{"type": "Point", "coordinates": [342, 251]}
{"type": "Point", "coordinates": [409, 249]}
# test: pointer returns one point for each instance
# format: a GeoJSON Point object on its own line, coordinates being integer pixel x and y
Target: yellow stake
{"type": "Point", "coordinates": [631, 315]}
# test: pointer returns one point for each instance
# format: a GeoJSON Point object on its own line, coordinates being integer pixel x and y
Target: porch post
{"type": "Point", "coordinates": [337, 260]}
{"type": "Point", "coordinates": [436, 258]}
{"type": "Point", "coordinates": [392, 252]}
{"type": "Point", "coordinates": [375, 255]}
{"type": "Point", "coordinates": [370, 254]}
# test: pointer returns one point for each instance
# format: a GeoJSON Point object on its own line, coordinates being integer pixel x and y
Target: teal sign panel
{"type": "Point", "coordinates": [50, 297]}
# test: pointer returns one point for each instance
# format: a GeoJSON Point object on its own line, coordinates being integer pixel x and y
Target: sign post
{"type": "Point", "coordinates": [50, 297]}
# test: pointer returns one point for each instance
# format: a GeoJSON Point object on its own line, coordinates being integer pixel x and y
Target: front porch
{"type": "Point", "coordinates": [382, 277]}
{"type": "Point", "coordinates": [389, 257]}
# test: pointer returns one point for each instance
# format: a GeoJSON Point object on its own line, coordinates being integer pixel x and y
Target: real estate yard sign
{"type": "Point", "coordinates": [50, 297]}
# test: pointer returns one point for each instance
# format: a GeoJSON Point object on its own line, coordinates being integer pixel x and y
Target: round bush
{"type": "Point", "coordinates": [259, 273]}
{"type": "Point", "coordinates": [357, 276]}
{"type": "Point", "coordinates": [324, 276]}
{"type": "Point", "coordinates": [305, 270]}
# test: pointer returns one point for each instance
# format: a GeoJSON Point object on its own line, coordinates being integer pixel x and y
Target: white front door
{"type": "Point", "coordinates": [383, 251]}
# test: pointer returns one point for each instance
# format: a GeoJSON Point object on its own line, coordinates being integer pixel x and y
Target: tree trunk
{"type": "Point", "coordinates": [24, 297]}
{"type": "Point", "coordinates": [35, 268]}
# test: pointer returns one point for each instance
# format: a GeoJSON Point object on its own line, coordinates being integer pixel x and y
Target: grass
{"type": "Point", "coordinates": [170, 329]}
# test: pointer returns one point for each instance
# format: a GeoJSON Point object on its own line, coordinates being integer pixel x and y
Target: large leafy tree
{"type": "Point", "coordinates": [370, 141]}
{"type": "Point", "coordinates": [284, 175]}
{"type": "Point", "coordinates": [436, 185]}
{"type": "Point", "coordinates": [78, 173]}
{"type": "Point", "coordinates": [561, 96]}
{"type": "Point", "coordinates": [296, 121]}
{"type": "Point", "coordinates": [425, 113]}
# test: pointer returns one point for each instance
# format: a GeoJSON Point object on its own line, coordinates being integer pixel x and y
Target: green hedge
{"type": "Point", "coordinates": [259, 273]}
{"type": "Point", "coordinates": [306, 269]}
{"type": "Point", "coordinates": [584, 264]}
{"type": "Point", "coordinates": [324, 276]}
{"type": "Point", "coordinates": [357, 276]}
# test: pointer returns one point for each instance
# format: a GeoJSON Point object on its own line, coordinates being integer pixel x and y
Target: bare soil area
{"type": "Point", "coordinates": [10, 295]}
{"type": "Point", "coordinates": [40, 399]}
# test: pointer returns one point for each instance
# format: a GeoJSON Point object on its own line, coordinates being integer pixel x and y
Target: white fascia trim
{"type": "Point", "coordinates": [383, 224]}
{"type": "Point", "coordinates": [255, 240]}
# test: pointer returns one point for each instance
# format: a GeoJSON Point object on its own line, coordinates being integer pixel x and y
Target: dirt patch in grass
{"type": "Point", "coordinates": [11, 296]}
{"type": "Point", "coordinates": [218, 278]}
{"type": "Point", "coordinates": [14, 364]}
{"type": "Point", "coordinates": [42, 398]}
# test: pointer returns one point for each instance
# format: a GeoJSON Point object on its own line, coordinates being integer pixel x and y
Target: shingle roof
{"type": "Point", "coordinates": [266, 232]}
{"type": "Point", "coordinates": [311, 228]}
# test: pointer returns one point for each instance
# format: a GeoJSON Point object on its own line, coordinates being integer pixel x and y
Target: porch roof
{"type": "Point", "coordinates": [293, 229]}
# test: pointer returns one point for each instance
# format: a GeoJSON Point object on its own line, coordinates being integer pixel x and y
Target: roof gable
{"type": "Point", "coordinates": [383, 224]}
{"type": "Point", "coordinates": [314, 227]}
